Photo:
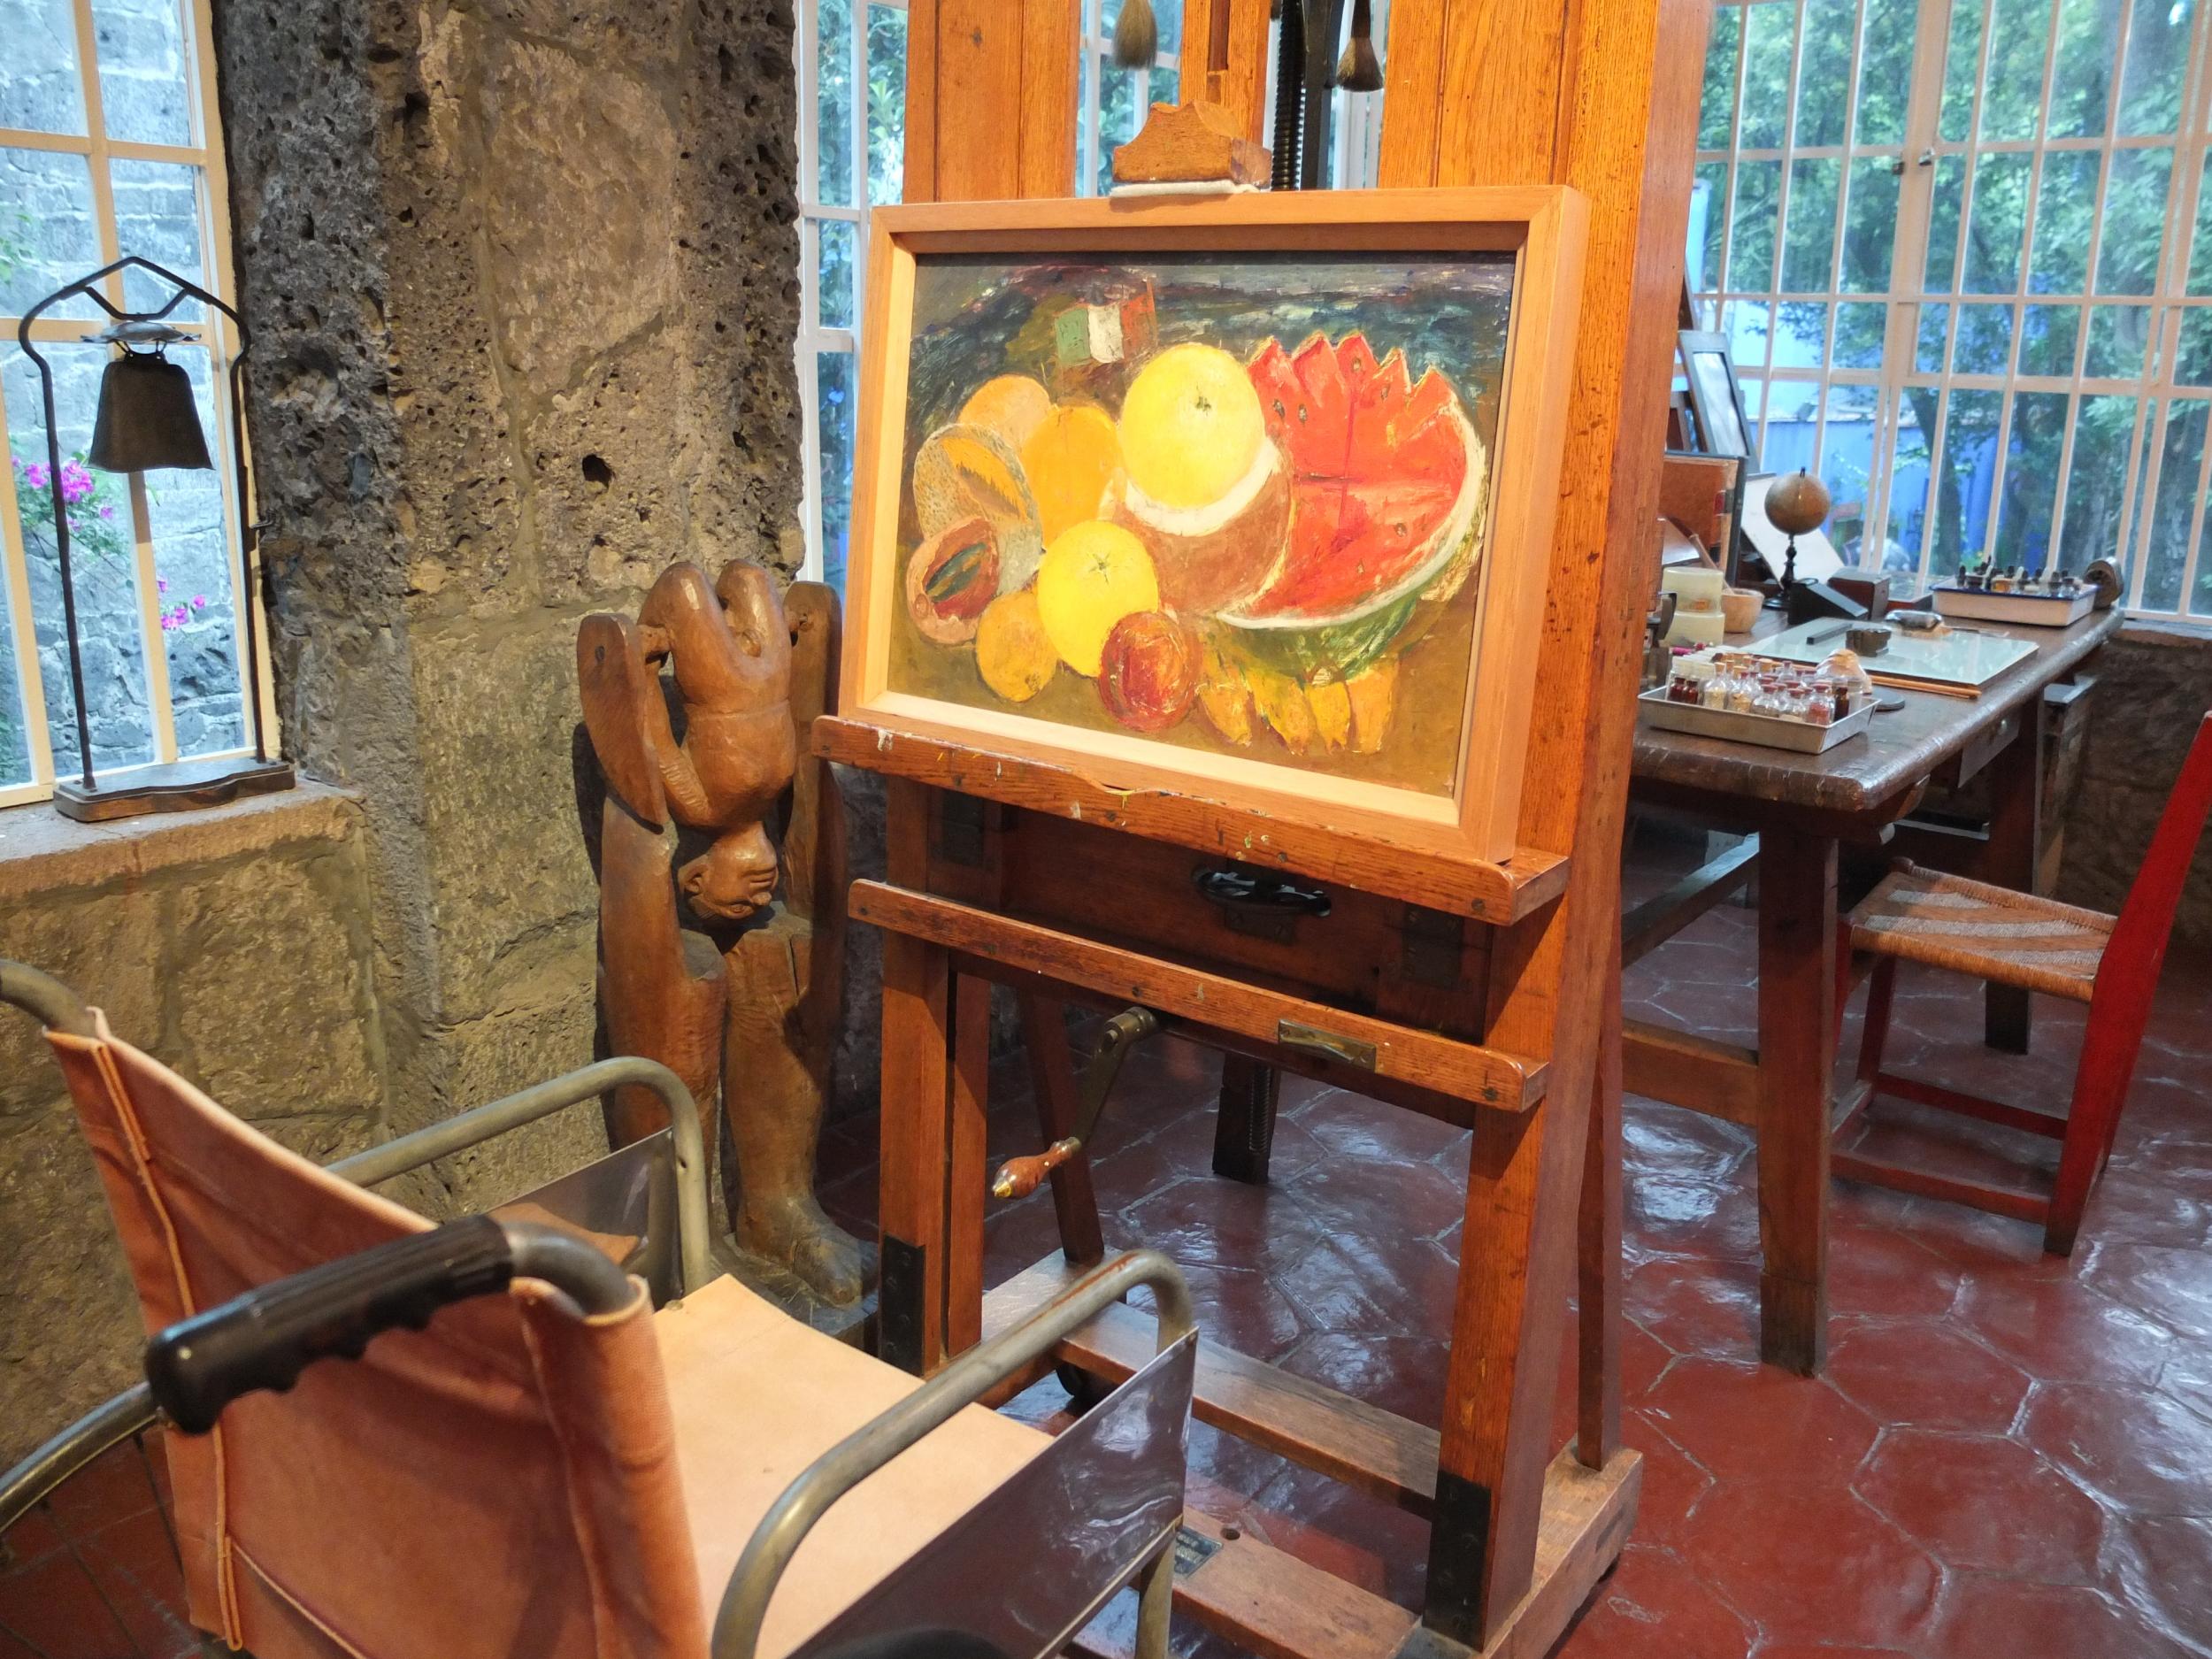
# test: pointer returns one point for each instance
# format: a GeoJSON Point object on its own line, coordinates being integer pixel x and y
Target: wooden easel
{"type": "Point", "coordinates": [1494, 987]}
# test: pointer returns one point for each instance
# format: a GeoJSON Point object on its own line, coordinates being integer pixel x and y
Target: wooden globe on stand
{"type": "Point", "coordinates": [1796, 506]}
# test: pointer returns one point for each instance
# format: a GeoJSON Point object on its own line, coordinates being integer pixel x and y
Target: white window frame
{"type": "Point", "coordinates": [216, 335]}
{"type": "Point", "coordinates": [1922, 152]}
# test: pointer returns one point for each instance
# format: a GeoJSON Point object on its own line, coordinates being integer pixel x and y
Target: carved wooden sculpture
{"type": "Point", "coordinates": [742, 1000]}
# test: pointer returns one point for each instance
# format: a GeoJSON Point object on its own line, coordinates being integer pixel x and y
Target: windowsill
{"type": "Point", "coordinates": [41, 850]}
{"type": "Point", "coordinates": [2168, 630]}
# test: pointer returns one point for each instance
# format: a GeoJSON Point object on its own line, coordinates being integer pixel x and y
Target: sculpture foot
{"type": "Point", "coordinates": [795, 1234]}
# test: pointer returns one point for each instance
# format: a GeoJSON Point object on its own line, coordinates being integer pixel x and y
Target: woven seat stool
{"type": "Point", "coordinates": [1989, 932]}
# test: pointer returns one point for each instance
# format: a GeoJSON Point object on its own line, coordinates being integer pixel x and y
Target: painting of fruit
{"type": "Point", "coordinates": [1237, 503]}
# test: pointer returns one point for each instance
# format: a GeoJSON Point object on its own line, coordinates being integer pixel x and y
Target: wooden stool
{"type": "Point", "coordinates": [2037, 944]}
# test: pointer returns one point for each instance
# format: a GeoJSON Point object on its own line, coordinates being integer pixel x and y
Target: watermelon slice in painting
{"type": "Point", "coordinates": [1388, 485]}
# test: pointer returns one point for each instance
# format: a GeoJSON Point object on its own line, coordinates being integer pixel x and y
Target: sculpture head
{"type": "Point", "coordinates": [734, 877]}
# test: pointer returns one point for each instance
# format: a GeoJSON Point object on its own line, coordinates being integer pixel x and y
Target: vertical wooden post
{"type": "Point", "coordinates": [990, 112]}
{"type": "Point", "coordinates": [1225, 58]}
{"type": "Point", "coordinates": [2010, 859]}
{"type": "Point", "coordinates": [1601, 94]}
{"type": "Point", "coordinates": [915, 1125]}
{"type": "Point", "coordinates": [1597, 1262]}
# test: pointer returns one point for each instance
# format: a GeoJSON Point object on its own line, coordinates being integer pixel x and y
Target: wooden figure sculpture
{"type": "Point", "coordinates": [742, 1000]}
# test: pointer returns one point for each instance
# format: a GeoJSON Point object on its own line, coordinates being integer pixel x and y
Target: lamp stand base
{"type": "Point", "coordinates": [182, 785]}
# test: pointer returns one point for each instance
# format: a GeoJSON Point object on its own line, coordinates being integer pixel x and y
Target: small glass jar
{"type": "Point", "coordinates": [1770, 700]}
{"type": "Point", "coordinates": [2000, 582]}
{"type": "Point", "coordinates": [1688, 684]}
{"type": "Point", "coordinates": [1743, 687]}
{"type": "Point", "coordinates": [1825, 700]}
{"type": "Point", "coordinates": [1714, 693]}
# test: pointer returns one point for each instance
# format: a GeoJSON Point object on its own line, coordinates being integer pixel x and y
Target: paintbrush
{"type": "Point", "coordinates": [1136, 36]}
{"type": "Point", "coordinates": [1359, 70]}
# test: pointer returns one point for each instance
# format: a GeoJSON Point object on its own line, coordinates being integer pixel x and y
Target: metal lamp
{"type": "Point", "coordinates": [148, 418]}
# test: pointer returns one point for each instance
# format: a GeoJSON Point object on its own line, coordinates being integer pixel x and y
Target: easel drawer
{"type": "Point", "coordinates": [1427, 1072]}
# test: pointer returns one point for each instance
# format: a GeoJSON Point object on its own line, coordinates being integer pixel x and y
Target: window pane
{"type": "Point", "coordinates": [15, 741]}
{"type": "Point", "coordinates": [1751, 226]}
{"type": "Point", "coordinates": [1966, 479]}
{"type": "Point", "coordinates": [2166, 550]}
{"type": "Point", "coordinates": [1847, 462]}
{"type": "Point", "coordinates": [40, 88]}
{"type": "Point", "coordinates": [157, 218]}
{"type": "Point", "coordinates": [833, 103]}
{"type": "Point", "coordinates": [2104, 431]}
{"type": "Point", "coordinates": [2118, 336]}
{"type": "Point", "coordinates": [2081, 70]}
{"type": "Point", "coordinates": [1943, 224]}
{"type": "Point", "coordinates": [2031, 470]}
{"type": "Point", "coordinates": [2158, 58]}
{"type": "Point", "coordinates": [1984, 340]}
{"type": "Point", "coordinates": [836, 240]}
{"type": "Point", "coordinates": [1886, 69]}
{"type": "Point", "coordinates": [1824, 72]}
{"type": "Point", "coordinates": [101, 555]}
{"type": "Point", "coordinates": [1859, 329]}
{"type": "Point", "coordinates": [1800, 338]}
{"type": "Point", "coordinates": [1962, 68]}
{"type": "Point", "coordinates": [1870, 227]}
{"type": "Point", "coordinates": [1998, 226]}
{"type": "Point", "coordinates": [886, 102]}
{"type": "Point", "coordinates": [1717, 107]}
{"type": "Point", "coordinates": [1935, 323]}
{"type": "Point", "coordinates": [1809, 245]}
{"type": "Point", "coordinates": [1793, 416]}
{"type": "Point", "coordinates": [1708, 220]}
{"type": "Point", "coordinates": [2134, 221]}
{"type": "Point", "coordinates": [2192, 358]}
{"type": "Point", "coordinates": [145, 96]}
{"type": "Point", "coordinates": [2063, 213]}
{"type": "Point", "coordinates": [1766, 76]}
{"type": "Point", "coordinates": [1121, 111]}
{"type": "Point", "coordinates": [2012, 89]}
{"type": "Point", "coordinates": [1748, 324]}
{"type": "Point", "coordinates": [194, 568]}
{"type": "Point", "coordinates": [2048, 334]}
{"type": "Point", "coordinates": [47, 233]}
{"type": "Point", "coordinates": [833, 380]}
{"type": "Point", "coordinates": [1909, 480]}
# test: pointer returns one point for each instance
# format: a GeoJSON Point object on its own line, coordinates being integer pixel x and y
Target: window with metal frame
{"type": "Point", "coordinates": [109, 145]}
{"type": "Point", "coordinates": [1963, 255]}
{"type": "Point", "coordinates": [851, 159]}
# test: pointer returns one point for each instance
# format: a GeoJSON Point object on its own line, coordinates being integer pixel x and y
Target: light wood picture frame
{"type": "Point", "coordinates": [1072, 554]}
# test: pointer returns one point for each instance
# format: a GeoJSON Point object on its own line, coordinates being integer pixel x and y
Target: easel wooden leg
{"type": "Point", "coordinates": [1244, 1134]}
{"type": "Point", "coordinates": [917, 1123]}
{"type": "Point", "coordinates": [1598, 1280]}
{"type": "Point", "coordinates": [1052, 1079]}
{"type": "Point", "coordinates": [1797, 1053]}
{"type": "Point", "coordinates": [965, 1153]}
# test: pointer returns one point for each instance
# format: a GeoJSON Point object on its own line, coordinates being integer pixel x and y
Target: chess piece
{"type": "Point", "coordinates": [741, 997]}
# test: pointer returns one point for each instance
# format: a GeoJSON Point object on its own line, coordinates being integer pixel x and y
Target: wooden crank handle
{"type": "Point", "coordinates": [1017, 1178]}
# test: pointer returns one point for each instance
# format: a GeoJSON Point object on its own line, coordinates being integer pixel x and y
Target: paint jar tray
{"type": "Point", "coordinates": [1654, 710]}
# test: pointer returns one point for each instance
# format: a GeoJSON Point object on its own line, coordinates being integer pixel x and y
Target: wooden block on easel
{"type": "Point", "coordinates": [1196, 142]}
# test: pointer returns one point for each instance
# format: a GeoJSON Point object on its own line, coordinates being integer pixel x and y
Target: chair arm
{"type": "Point", "coordinates": [46, 999]}
{"type": "Point", "coordinates": [472, 1128]}
{"type": "Point", "coordinates": [961, 1383]}
{"type": "Point", "coordinates": [26, 1486]}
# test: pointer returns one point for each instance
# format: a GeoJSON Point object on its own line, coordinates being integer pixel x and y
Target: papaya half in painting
{"type": "Point", "coordinates": [1238, 505]}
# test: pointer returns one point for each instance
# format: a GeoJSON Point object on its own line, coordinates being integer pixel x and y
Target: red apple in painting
{"type": "Point", "coordinates": [1148, 677]}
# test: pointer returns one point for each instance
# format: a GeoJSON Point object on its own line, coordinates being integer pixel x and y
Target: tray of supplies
{"type": "Point", "coordinates": [1654, 709]}
{"type": "Point", "coordinates": [2036, 610]}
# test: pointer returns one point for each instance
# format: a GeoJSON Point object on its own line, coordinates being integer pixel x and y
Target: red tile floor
{"type": "Point", "coordinates": [2009, 1455]}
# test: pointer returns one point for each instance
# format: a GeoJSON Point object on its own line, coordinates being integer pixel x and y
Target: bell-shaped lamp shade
{"type": "Point", "coordinates": [148, 418]}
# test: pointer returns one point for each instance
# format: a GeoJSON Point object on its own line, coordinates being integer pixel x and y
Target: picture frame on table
{"type": "Point", "coordinates": [1246, 500]}
{"type": "Point", "coordinates": [1723, 423]}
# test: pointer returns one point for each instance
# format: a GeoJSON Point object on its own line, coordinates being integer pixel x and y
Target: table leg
{"type": "Point", "coordinates": [2009, 857]}
{"type": "Point", "coordinates": [1797, 1053]}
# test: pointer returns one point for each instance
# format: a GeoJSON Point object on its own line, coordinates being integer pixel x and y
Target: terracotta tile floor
{"type": "Point", "coordinates": [2008, 1457]}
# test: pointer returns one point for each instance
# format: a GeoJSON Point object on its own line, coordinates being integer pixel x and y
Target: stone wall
{"type": "Point", "coordinates": [2154, 685]}
{"type": "Point", "coordinates": [523, 275]}
{"type": "Point", "coordinates": [233, 945]}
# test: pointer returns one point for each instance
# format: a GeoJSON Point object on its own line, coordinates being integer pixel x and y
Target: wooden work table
{"type": "Point", "coordinates": [1801, 808]}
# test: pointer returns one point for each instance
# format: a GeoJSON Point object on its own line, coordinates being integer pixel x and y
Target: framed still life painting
{"type": "Point", "coordinates": [1245, 498]}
